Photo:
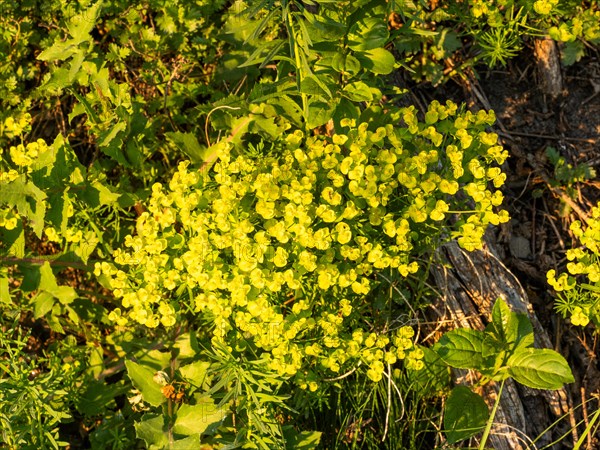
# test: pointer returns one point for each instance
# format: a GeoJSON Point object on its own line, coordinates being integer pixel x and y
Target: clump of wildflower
{"type": "Point", "coordinates": [579, 286]}
{"type": "Point", "coordinates": [281, 252]}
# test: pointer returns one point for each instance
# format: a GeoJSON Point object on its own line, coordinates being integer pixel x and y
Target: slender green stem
{"type": "Point", "coordinates": [488, 427]}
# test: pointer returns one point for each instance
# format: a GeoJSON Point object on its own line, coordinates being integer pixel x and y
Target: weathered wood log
{"type": "Point", "coordinates": [470, 283]}
{"type": "Point", "coordinates": [548, 65]}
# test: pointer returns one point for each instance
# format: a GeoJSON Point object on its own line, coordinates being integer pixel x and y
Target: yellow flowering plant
{"type": "Point", "coordinates": [278, 256]}
{"type": "Point", "coordinates": [578, 288]}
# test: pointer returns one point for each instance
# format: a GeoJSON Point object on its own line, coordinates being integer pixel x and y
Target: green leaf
{"type": "Point", "coordinates": [540, 368]}
{"type": "Point", "coordinates": [82, 24]}
{"type": "Point", "coordinates": [461, 348]}
{"type": "Point", "coordinates": [187, 443]}
{"type": "Point", "coordinates": [142, 379]}
{"type": "Point", "coordinates": [312, 85]}
{"type": "Point", "coordinates": [572, 52]}
{"type": "Point", "coordinates": [367, 34]}
{"type": "Point", "coordinates": [345, 64]}
{"type": "Point", "coordinates": [47, 278]}
{"type": "Point", "coordinates": [150, 430]}
{"type": "Point", "coordinates": [377, 60]}
{"type": "Point", "coordinates": [434, 377]}
{"type": "Point", "coordinates": [98, 396]}
{"type": "Point", "coordinates": [196, 374]}
{"type": "Point", "coordinates": [64, 294]}
{"type": "Point", "coordinates": [188, 144]}
{"type": "Point", "coordinates": [358, 92]}
{"type": "Point", "coordinates": [319, 114]}
{"type": "Point", "coordinates": [465, 414]}
{"type": "Point", "coordinates": [4, 292]}
{"type": "Point", "coordinates": [86, 247]}
{"type": "Point", "coordinates": [42, 304]}
{"type": "Point", "coordinates": [195, 419]}
{"type": "Point", "coordinates": [305, 440]}
{"type": "Point", "coordinates": [511, 331]}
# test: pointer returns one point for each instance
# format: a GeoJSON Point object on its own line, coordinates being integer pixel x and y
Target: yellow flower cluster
{"type": "Point", "coordinates": [544, 7]}
{"type": "Point", "coordinates": [13, 127]}
{"type": "Point", "coordinates": [583, 262]}
{"type": "Point", "coordinates": [281, 252]}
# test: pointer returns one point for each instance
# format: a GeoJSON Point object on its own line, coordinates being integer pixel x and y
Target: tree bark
{"type": "Point", "coordinates": [548, 64]}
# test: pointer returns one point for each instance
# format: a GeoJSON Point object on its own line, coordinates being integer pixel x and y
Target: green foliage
{"type": "Point", "coordinates": [215, 215]}
{"type": "Point", "coordinates": [503, 350]}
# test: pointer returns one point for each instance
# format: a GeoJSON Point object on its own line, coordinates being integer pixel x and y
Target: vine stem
{"type": "Point", "coordinates": [488, 427]}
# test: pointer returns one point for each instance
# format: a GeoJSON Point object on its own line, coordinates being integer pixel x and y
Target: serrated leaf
{"type": "Point", "coordinates": [511, 331]}
{"type": "Point", "coordinates": [59, 51]}
{"type": "Point", "coordinates": [83, 23]}
{"type": "Point", "coordinates": [461, 348]}
{"type": "Point", "coordinates": [465, 414]}
{"type": "Point", "coordinates": [150, 430]}
{"type": "Point", "coordinates": [377, 60]}
{"type": "Point", "coordinates": [195, 419]}
{"type": "Point", "coordinates": [142, 379]}
{"type": "Point", "coordinates": [540, 368]}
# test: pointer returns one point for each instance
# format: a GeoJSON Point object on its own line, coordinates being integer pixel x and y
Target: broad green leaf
{"type": "Point", "coordinates": [540, 368]}
{"type": "Point", "coordinates": [305, 440]}
{"type": "Point", "coordinates": [312, 85]}
{"type": "Point", "coordinates": [59, 51]}
{"type": "Point", "coordinates": [377, 60]}
{"type": "Point", "coordinates": [188, 144]}
{"type": "Point", "coordinates": [511, 330]}
{"type": "Point", "coordinates": [319, 114]}
{"type": "Point", "coordinates": [142, 379]}
{"type": "Point", "coordinates": [369, 33]}
{"type": "Point", "coordinates": [358, 91]}
{"type": "Point", "coordinates": [87, 246]}
{"type": "Point", "coordinates": [64, 294]}
{"type": "Point", "coordinates": [151, 430]}
{"type": "Point", "coordinates": [465, 414]}
{"type": "Point", "coordinates": [196, 373]}
{"type": "Point", "coordinates": [572, 52]}
{"type": "Point", "coordinates": [195, 419]}
{"type": "Point", "coordinates": [504, 322]}
{"type": "Point", "coordinates": [187, 443]}
{"type": "Point", "coordinates": [461, 348]}
{"type": "Point", "coordinates": [345, 64]}
{"type": "Point", "coordinates": [47, 278]}
{"type": "Point", "coordinates": [83, 23]}
{"type": "Point", "coordinates": [42, 304]}
{"type": "Point", "coordinates": [432, 378]}
{"type": "Point", "coordinates": [154, 359]}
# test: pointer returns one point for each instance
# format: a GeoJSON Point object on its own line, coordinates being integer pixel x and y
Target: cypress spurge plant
{"type": "Point", "coordinates": [503, 350]}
